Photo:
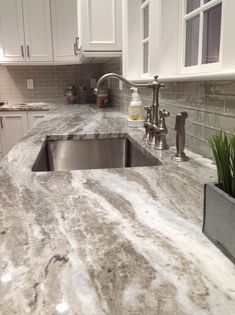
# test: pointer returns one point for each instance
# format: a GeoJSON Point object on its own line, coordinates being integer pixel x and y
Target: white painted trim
{"type": "Point", "coordinates": [200, 68]}
{"type": "Point", "coordinates": [145, 40]}
{"type": "Point", "coordinates": [190, 77]}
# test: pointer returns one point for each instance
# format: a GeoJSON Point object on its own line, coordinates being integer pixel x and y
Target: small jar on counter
{"type": "Point", "coordinates": [102, 99]}
{"type": "Point", "coordinates": [70, 95]}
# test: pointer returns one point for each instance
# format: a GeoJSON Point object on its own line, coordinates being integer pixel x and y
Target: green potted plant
{"type": "Point", "coordinates": [219, 198]}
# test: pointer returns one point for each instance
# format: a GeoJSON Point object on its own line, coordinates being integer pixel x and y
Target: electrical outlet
{"type": "Point", "coordinates": [30, 85]}
{"type": "Point", "coordinates": [92, 83]}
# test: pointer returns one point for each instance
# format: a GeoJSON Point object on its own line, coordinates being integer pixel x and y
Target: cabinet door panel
{"type": "Point", "coordinates": [15, 125]}
{"type": "Point", "coordinates": [34, 116]}
{"type": "Point", "coordinates": [101, 25]}
{"type": "Point", "coordinates": [65, 29]}
{"type": "Point", "coordinates": [37, 30]}
{"type": "Point", "coordinates": [11, 31]}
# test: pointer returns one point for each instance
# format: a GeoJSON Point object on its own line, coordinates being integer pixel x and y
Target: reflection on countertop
{"type": "Point", "coordinates": [110, 241]}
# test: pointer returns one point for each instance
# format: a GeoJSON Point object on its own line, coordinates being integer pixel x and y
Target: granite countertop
{"type": "Point", "coordinates": [36, 106]}
{"type": "Point", "coordinates": [110, 241]}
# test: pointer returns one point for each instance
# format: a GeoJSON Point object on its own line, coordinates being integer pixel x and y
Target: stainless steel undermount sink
{"type": "Point", "coordinates": [58, 154]}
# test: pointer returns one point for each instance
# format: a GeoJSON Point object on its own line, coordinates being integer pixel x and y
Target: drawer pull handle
{"type": "Point", "coordinates": [28, 52]}
{"type": "Point", "coordinates": [75, 49]}
{"type": "Point", "coordinates": [77, 43]}
{"type": "Point", "coordinates": [22, 51]}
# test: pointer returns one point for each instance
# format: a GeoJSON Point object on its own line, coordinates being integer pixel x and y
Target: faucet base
{"type": "Point", "coordinates": [160, 143]}
{"type": "Point", "coordinates": [180, 157]}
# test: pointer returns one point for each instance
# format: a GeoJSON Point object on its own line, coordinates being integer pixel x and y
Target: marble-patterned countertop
{"type": "Point", "coordinates": [36, 106]}
{"type": "Point", "coordinates": [110, 241]}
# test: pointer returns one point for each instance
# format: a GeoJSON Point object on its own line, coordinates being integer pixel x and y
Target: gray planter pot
{"type": "Point", "coordinates": [219, 219]}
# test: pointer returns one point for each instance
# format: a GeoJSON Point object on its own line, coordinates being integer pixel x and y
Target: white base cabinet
{"type": "Point", "coordinates": [13, 127]}
{"type": "Point", "coordinates": [33, 116]}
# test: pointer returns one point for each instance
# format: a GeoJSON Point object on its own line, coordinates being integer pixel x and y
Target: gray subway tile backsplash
{"type": "Point", "coordinates": [210, 105]}
{"type": "Point", "coordinates": [49, 81]}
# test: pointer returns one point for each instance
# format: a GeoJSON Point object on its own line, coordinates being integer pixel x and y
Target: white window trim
{"type": "Point", "coordinates": [200, 68]}
{"type": "Point", "coordinates": [145, 75]}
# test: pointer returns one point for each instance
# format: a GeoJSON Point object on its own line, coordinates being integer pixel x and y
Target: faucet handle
{"type": "Point", "coordinates": [156, 83]}
{"type": "Point", "coordinates": [148, 110]}
{"type": "Point", "coordinates": [164, 113]}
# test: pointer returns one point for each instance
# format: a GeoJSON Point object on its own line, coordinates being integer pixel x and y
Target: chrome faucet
{"type": "Point", "coordinates": [155, 129]}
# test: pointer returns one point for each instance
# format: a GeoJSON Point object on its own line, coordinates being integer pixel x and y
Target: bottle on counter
{"type": "Point", "coordinates": [103, 98]}
{"type": "Point", "coordinates": [82, 95]}
{"type": "Point", "coordinates": [135, 110]}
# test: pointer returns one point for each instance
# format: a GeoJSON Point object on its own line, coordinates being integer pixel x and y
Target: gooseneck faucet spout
{"type": "Point", "coordinates": [118, 77]}
{"type": "Point", "coordinates": [153, 130]}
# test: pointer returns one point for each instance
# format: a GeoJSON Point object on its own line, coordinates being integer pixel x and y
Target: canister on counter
{"type": "Point", "coordinates": [70, 95]}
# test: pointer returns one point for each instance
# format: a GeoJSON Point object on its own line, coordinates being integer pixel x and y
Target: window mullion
{"type": "Point", "coordinates": [192, 14]}
{"type": "Point", "coordinates": [200, 38]}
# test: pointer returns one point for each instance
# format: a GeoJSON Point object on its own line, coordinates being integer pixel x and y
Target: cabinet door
{"type": "Point", "coordinates": [13, 128]}
{"type": "Point", "coordinates": [101, 25]}
{"type": "Point", "coordinates": [34, 116]}
{"type": "Point", "coordinates": [37, 23]}
{"type": "Point", "coordinates": [65, 29]}
{"type": "Point", "coordinates": [11, 31]}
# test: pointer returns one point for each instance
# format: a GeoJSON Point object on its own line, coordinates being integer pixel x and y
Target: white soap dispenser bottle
{"type": "Point", "coordinates": [136, 110]}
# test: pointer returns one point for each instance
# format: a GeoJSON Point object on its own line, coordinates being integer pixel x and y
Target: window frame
{"type": "Point", "coordinates": [144, 4]}
{"type": "Point", "coordinates": [199, 68]}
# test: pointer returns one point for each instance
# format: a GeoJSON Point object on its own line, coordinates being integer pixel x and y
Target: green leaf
{"type": "Point", "coordinates": [223, 147]}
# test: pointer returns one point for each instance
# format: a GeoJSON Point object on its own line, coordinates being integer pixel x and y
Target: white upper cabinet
{"type": "Point", "coordinates": [141, 36]}
{"type": "Point", "coordinates": [12, 45]}
{"type": "Point", "coordinates": [25, 31]}
{"type": "Point", "coordinates": [60, 31]}
{"type": "Point", "coordinates": [101, 25]}
{"type": "Point", "coordinates": [65, 30]}
{"type": "Point", "coordinates": [180, 39]}
{"type": "Point", "coordinates": [37, 30]}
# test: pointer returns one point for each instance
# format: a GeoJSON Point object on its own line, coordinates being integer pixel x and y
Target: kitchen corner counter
{"type": "Point", "coordinates": [36, 106]}
{"type": "Point", "coordinates": [110, 241]}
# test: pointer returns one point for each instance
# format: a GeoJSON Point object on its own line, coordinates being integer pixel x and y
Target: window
{"type": "Point", "coordinates": [202, 32]}
{"type": "Point", "coordinates": [145, 35]}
